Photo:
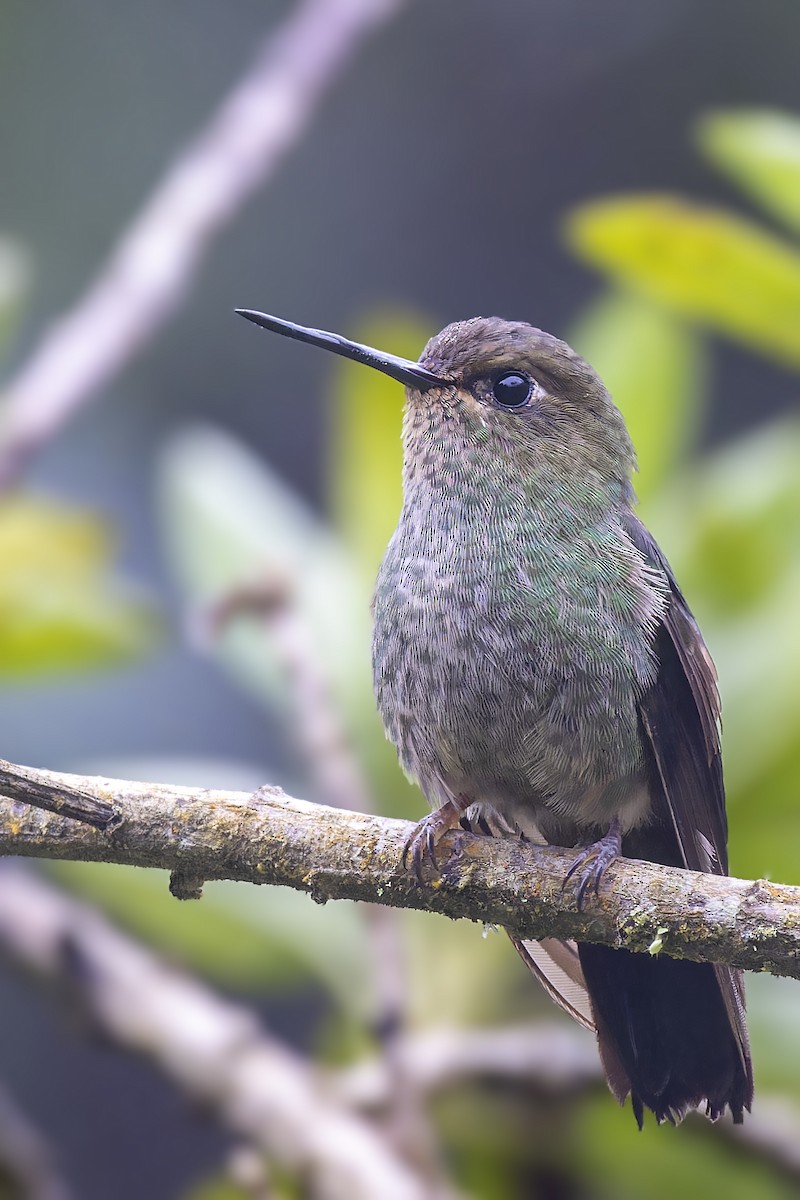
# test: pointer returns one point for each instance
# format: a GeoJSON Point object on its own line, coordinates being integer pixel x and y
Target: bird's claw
{"type": "Point", "coordinates": [592, 863]}
{"type": "Point", "coordinates": [421, 847]}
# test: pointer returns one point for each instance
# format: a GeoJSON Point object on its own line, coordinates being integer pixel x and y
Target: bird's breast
{"type": "Point", "coordinates": [507, 664]}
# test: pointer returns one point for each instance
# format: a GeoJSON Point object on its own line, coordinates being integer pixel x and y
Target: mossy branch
{"type": "Point", "coordinates": [271, 838]}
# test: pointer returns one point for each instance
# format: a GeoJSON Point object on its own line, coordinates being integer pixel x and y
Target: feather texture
{"type": "Point", "coordinates": [677, 1028]}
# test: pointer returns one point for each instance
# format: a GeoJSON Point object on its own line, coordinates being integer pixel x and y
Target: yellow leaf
{"type": "Point", "coordinates": [702, 262]}
{"type": "Point", "coordinates": [760, 150]}
{"type": "Point", "coordinates": [60, 605]}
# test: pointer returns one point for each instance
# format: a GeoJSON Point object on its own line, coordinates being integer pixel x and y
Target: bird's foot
{"type": "Point", "coordinates": [422, 844]}
{"type": "Point", "coordinates": [592, 863]}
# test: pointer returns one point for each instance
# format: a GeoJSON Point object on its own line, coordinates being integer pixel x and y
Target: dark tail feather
{"type": "Point", "coordinates": [665, 1033]}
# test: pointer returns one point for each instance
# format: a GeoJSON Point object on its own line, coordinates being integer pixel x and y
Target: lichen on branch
{"type": "Point", "coordinates": [271, 838]}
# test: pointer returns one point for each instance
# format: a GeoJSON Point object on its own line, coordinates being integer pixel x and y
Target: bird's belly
{"type": "Point", "coordinates": [485, 702]}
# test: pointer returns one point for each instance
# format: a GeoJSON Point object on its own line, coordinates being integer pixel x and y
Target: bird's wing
{"type": "Point", "coordinates": [554, 963]}
{"type": "Point", "coordinates": [556, 966]}
{"type": "Point", "coordinates": [680, 715]}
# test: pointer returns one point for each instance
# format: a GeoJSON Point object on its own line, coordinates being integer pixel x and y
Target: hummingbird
{"type": "Point", "coordinates": [540, 673]}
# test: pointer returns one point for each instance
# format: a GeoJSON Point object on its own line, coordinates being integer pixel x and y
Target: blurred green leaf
{"type": "Point", "coordinates": [60, 607]}
{"type": "Point", "coordinates": [702, 262]}
{"type": "Point", "coordinates": [199, 935]}
{"type": "Point", "coordinates": [228, 521]}
{"type": "Point", "coordinates": [13, 282]}
{"type": "Point", "coordinates": [731, 523]}
{"type": "Point", "coordinates": [509, 1142]}
{"type": "Point", "coordinates": [758, 662]}
{"type": "Point", "coordinates": [654, 365]}
{"type": "Point", "coordinates": [731, 528]}
{"type": "Point", "coordinates": [760, 150]}
{"type": "Point", "coordinates": [330, 947]}
{"type": "Point", "coordinates": [618, 1162]}
{"type": "Point", "coordinates": [366, 457]}
{"type": "Point", "coordinates": [765, 815]}
{"type": "Point", "coordinates": [237, 935]}
{"type": "Point", "coordinates": [772, 1017]}
{"type": "Point", "coordinates": [280, 1186]}
{"type": "Point", "coordinates": [462, 970]}
{"type": "Point", "coordinates": [218, 1188]}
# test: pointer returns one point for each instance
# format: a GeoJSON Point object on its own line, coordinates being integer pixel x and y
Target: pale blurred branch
{"type": "Point", "coordinates": [303, 1119]}
{"type": "Point", "coordinates": [548, 1056]}
{"type": "Point", "coordinates": [551, 1059]}
{"type": "Point", "coordinates": [771, 1132]}
{"type": "Point", "coordinates": [27, 1169]}
{"type": "Point", "coordinates": [214, 1050]}
{"type": "Point", "coordinates": [270, 837]}
{"type": "Point", "coordinates": [338, 779]}
{"type": "Point", "coordinates": [152, 265]}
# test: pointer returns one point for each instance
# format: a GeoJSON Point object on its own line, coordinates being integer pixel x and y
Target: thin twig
{"type": "Point", "coordinates": [214, 1050]}
{"type": "Point", "coordinates": [40, 792]}
{"type": "Point", "coordinates": [149, 270]}
{"type": "Point", "coordinates": [26, 1160]}
{"type": "Point", "coordinates": [316, 726]}
{"type": "Point", "coordinates": [339, 780]}
{"type": "Point", "coordinates": [333, 854]}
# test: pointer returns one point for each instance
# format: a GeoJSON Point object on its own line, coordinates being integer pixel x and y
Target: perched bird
{"type": "Point", "coordinates": [537, 667]}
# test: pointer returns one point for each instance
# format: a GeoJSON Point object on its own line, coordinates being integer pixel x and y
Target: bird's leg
{"type": "Point", "coordinates": [428, 833]}
{"type": "Point", "coordinates": [592, 862]}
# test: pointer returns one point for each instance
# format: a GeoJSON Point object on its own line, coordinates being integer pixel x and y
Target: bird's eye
{"type": "Point", "coordinates": [512, 389]}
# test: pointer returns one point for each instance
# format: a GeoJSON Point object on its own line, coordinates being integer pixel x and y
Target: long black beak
{"type": "Point", "coordinates": [401, 369]}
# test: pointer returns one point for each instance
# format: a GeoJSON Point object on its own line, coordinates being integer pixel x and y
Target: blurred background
{"type": "Point", "coordinates": [626, 176]}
